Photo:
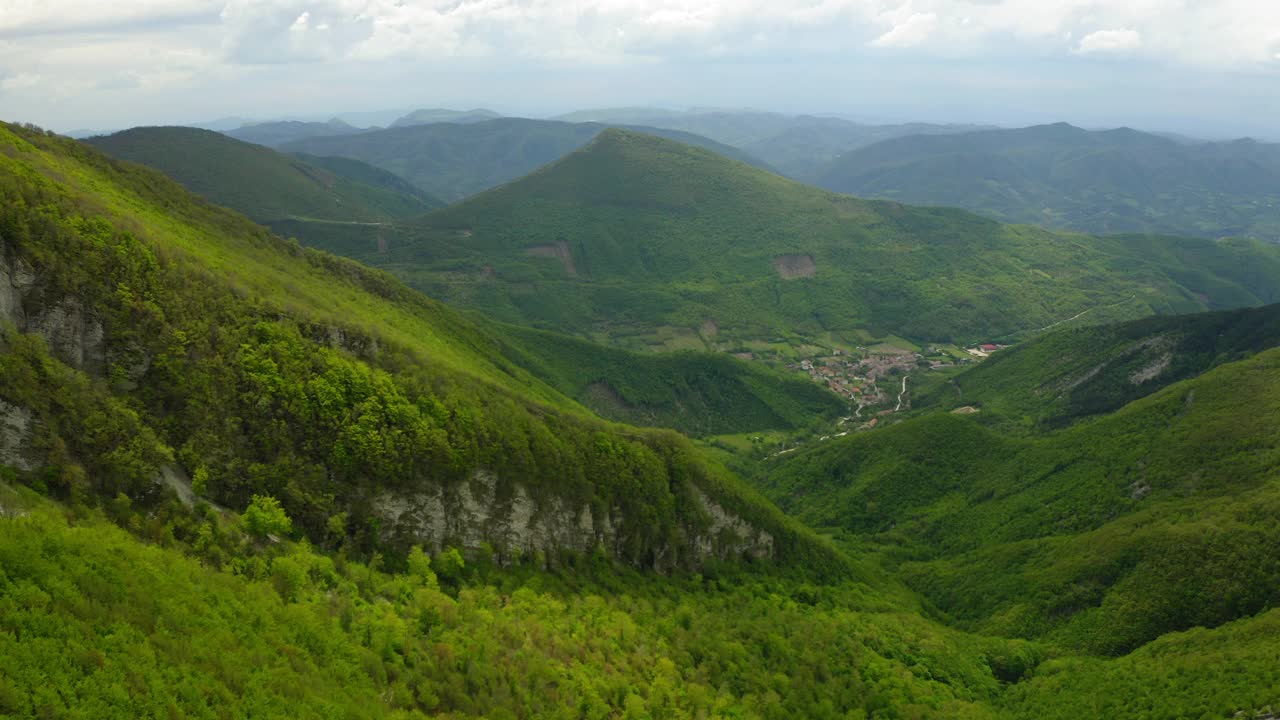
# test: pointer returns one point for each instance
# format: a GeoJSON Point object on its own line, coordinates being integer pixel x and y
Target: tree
{"type": "Point", "coordinates": [264, 516]}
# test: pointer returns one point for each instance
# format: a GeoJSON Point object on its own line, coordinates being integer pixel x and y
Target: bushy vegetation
{"type": "Point", "coordinates": [264, 184]}
{"type": "Point", "coordinates": [1113, 181]}
{"type": "Point", "coordinates": [633, 234]}
{"type": "Point", "coordinates": [96, 624]}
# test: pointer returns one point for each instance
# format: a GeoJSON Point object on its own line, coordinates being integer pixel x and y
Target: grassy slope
{"type": "Point", "coordinates": [1062, 377]}
{"type": "Point", "coordinates": [261, 183]}
{"type": "Point", "coordinates": [1057, 175]}
{"type": "Point", "coordinates": [694, 392]}
{"type": "Point", "coordinates": [663, 234]}
{"type": "Point", "coordinates": [452, 161]}
{"type": "Point", "coordinates": [276, 369]}
{"type": "Point", "coordinates": [1100, 537]}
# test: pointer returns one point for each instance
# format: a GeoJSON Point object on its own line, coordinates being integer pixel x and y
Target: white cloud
{"type": "Point", "coordinates": [151, 46]}
{"type": "Point", "coordinates": [910, 32]}
{"type": "Point", "coordinates": [11, 83]}
{"type": "Point", "coordinates": [1110, 41]}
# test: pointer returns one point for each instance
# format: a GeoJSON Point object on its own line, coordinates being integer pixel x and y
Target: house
{"type": "Point", "coordinates": [988, 347]}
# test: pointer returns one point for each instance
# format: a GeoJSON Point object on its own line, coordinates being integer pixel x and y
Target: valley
{"type": "Point", "coordinates": [479, 416]}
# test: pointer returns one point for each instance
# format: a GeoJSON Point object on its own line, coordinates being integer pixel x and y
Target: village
{"type": "Point", "coordinates": [870, 378]}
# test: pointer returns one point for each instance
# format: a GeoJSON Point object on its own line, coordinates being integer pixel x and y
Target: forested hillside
{"type": "Point", "coordinates": [1059, 176]}
{"type": "Point", "coordinates": [266, 185]}
{"type": "Point", "coordinates": [1098, 538]}
{"type": "Point", "coordinates": [635, 237]}
{"type": "Point", "coordinates": [1061, 377]}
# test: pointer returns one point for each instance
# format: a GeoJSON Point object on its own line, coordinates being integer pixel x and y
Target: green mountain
{"type": "Point", "coordinates": [264, 184]}
{"type": "Point", "coordinates": [275, 134]}
{"type": "Point", "coordinates": [646, 242]}
{"type": "Point", "coordinates": [428, 116]}
{"type": "Point", "coordinates": [1063, 377]}
{"type": "Point", "coordinates": [1114, 181]}
{"type": "Point", "coordinates": [1100, 537]}
{"type": "Point", "coordinates": [799, 146]}
{"type": "Point", "coordinates": [452, 161]}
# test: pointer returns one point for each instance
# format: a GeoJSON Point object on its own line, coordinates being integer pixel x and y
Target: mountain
{"type": "Point", "coordinates": [266, 185]}
{"type": "Point", "coordinates": [452, 161]}
{"type": "Point", "coordinates": [1113, 181]}
{"type": "Point", "coordinates": [428, 116]}
{"type": "Point", "coordinates": [1100, 537]}
{"type": "Point", "coordinates": [798, 146]}
{"type": "Point", "coordinates": [1063, 377]}
{"type": "Point", "coordinates": [640, 240]}
{"type": "Point", "coordinates": [152, 335]}
{"type": "Point", "coordinates": [277, 133]}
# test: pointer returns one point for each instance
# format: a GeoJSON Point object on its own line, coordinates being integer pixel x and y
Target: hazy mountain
{"type": "Point", "coordinates": [1094, 181]}
{"type": "Point", "coordinates": [798, 146]}
{"type": "Point", "coordinates": [452, 161]}
{"type": "Point", "coordinates": [428, 116]}
{"type": "Point", "coordinates": [275, 134]}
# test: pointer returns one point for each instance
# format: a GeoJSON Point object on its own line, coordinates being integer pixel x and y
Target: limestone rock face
{"type": "Point", "coordinates": [74, 335]}
{"type": "Point", "coordinates": [475, 512]}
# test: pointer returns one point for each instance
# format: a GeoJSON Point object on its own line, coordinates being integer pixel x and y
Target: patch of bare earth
{"type": "Point", "coordinates": [560, 251]}
{"type": "Point", "coordinates": [791, 267]}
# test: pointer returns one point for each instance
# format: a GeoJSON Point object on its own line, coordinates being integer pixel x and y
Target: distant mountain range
{"type": "Point", "coordinates": [275, 134]}
{"type": "Point", "coordinates": [1060, 176]}
{"type": "Point", "coordinates": [428, 116]}
{"type": "Point", "coordinates": [796, 145]}
{"type": "Point", "coordinates": [452, 161]}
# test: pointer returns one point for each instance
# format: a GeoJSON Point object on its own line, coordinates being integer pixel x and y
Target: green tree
{"type": "Point", "coordinates": [264, 516]}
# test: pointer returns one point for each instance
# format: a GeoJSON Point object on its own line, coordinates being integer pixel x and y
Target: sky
{"type": "Point", "coordinates": [1204, 67]}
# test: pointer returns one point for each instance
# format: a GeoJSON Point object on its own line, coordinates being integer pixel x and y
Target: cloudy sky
{"type": "Point", "coordinates": [1210, 67]}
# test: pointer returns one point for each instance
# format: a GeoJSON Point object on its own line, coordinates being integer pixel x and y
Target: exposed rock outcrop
{"type": "Point", "coordinates": [475, 512]}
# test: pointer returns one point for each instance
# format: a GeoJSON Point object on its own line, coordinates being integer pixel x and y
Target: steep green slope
{"type": "Point", "coordinates": [452, 161]}
{"type": "Point", "coordinates": [1062, 377]}
{"type": "Point", "coordinates": [1101, 537]}
{"type": "Point", "coordinates": [634, 233]}
{"type": "Point", "coordinates": [205, 347]}
{"type": "Point", "coordinates": [275, 134]}
{"type": "Point", "coordinates": [262, 183]}
{"type": "Point", "coordinates": [1060, 176]}
{"type": "Point", "coordinates": [694, 392]}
